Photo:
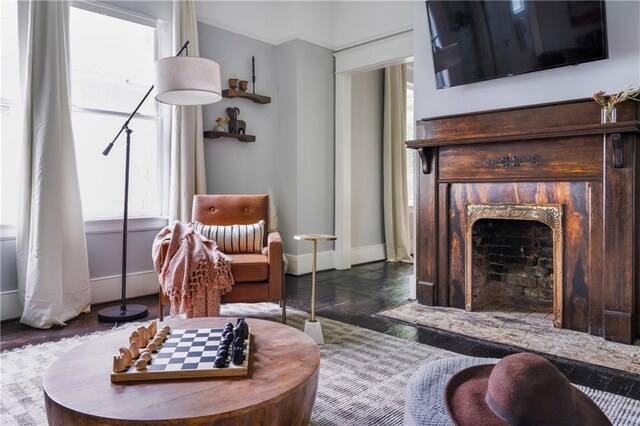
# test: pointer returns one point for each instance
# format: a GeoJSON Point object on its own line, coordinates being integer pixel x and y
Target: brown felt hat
{"type": "Point", "coordinates": [521, 389]}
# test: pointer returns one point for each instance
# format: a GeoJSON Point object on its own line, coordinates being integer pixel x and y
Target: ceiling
{"type": "Point", "coordinates": [332, 24]}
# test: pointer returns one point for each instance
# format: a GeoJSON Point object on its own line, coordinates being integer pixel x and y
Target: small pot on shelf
{"type": "Point", "coordinates": [219, 129]}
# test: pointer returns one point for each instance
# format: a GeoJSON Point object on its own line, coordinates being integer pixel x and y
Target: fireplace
{"type": "Point", "coordinates": [513, 256]}
{"type": "Point", "coordinates": [553, 165]}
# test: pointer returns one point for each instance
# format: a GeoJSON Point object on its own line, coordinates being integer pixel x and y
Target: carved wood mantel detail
{"type": "Point", "coordinates": [549, 214]}
{"type": "Point", "coordinates": [556, 154]}
{"type": "Point", "coordinates": [511, 161]}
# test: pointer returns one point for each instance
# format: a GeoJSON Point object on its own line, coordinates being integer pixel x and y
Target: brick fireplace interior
{"type": "Point", "coordinates": [512, 265]}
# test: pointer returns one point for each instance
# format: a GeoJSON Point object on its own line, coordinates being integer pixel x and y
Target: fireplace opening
{"type": "Point", "coordinates": [513, 259]}
{"type": "Point", "coordinates": [512, 266]}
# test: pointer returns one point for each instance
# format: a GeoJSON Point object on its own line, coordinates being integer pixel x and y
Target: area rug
{"type": "Point", "coordinates": [531, 333]}
{"type": "Point", "coordinates": [363, 375]}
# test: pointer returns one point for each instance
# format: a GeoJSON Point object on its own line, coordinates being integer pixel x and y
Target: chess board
{"type": "Point", "coordinates": [187, 354]}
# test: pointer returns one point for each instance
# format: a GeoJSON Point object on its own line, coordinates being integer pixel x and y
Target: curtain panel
{"type": "Point", "coordinates": [53, 267]}
{"type": "Point", "coordinates": [187, 174]}
{"type": "Point", "coordinates": [394, 169]}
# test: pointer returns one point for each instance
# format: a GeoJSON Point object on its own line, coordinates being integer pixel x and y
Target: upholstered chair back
{"type": "Point", "coordinates": [231, 210]}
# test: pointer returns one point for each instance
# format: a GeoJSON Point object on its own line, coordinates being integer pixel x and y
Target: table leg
{"type": "Point", "coordinates": [313, 281]}
{"type": "Point", "coordinates": [312, 327]}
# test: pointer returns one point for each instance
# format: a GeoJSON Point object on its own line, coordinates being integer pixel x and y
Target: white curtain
{"type": "Point", "coordinates": [394, 171]}
{"type": "Point", "coordinates": [53, 269]}
{"type": "Point", "coordinates": [187, 175]}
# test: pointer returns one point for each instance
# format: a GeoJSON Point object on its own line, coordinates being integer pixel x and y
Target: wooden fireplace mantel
{"type": "Point", "coordinates": [555, 153]}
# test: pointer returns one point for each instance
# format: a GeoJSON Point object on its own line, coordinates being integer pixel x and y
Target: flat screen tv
{"type": "Point", "coordinates": [474, 41]}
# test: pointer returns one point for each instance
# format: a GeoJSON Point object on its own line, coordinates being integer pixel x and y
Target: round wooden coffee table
{"type": "Point", "coordinates": [280, 389]}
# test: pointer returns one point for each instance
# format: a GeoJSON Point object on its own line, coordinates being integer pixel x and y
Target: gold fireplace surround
{"type": "Point", "coordinates": [549, 214]}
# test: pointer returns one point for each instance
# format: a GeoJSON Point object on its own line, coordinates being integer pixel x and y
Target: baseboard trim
{"type": "Point", "coordinates": [300, 265]}
{"type": "Point", "coordinates": [368, 254]}
{"type": "Point", "coordinates": [10, 307]}
{"type": "Point", "coordinates": [103, 289]}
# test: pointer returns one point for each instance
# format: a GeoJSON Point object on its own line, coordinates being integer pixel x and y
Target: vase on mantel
{"type": "Point", "coordinates": [219, 129]}
{"type": "Point", "coordinates": [608, 116]}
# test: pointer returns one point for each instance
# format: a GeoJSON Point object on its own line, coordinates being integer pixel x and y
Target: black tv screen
{"type": "Point", "coordinates": [474, 41]}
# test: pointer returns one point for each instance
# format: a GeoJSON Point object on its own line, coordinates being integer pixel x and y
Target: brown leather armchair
{"type": "Point", "coordinates": [258, 277]}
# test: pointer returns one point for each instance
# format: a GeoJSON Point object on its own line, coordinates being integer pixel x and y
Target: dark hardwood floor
{"type": "Point", "coordinates": [355, 296]}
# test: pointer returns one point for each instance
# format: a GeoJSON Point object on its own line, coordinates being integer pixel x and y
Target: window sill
{"type": "Point", "coordinates": [103, 226]}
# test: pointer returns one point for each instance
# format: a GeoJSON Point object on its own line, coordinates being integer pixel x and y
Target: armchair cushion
{"type": "Point", "coordinates": [249, 267]}
{"type": "Point", "coordinates": [234, 238]}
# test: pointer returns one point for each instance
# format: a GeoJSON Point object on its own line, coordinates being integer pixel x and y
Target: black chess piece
{"type": "Point", "coordinates": [244, 327]}
{"type": "Point", "coordinates": [220, 362]}
{"type": "Point", "coordinates": [237, 356]}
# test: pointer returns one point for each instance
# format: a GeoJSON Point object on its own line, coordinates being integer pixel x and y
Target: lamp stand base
{"type": "Point", "coordinates": [115, 314]}
{"type": "Point", "coordinates": [313, 329]}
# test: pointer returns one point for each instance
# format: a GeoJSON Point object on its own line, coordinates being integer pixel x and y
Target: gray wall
{"type": "Point", "coordinates": [235, 167]}
{"type": "Point", "coordinates": [306, 148]}
{"type": "Point", "coordinates": [316, 143]}
{"type": "Point", "coordinates": [105, 252]}
{"type": "Point", "coordinates": [367, 109]}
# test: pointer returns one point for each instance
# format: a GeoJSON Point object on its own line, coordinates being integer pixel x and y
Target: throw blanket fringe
{"type": "Point", "coordinates": [194, 274]}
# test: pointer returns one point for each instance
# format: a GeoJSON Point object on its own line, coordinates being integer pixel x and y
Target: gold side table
{"type": "Point", "coordinates": [312, 327]}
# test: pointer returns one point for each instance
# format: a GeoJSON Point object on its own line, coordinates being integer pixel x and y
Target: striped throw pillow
{"type": "Point", "coordinates": [234, 238]}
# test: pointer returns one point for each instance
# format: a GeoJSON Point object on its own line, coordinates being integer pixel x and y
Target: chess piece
{"type": "Point", "coordinates": [125, 353]}
{"type": "Point", "coordinates": [242, 323]}
{"type": "Point", "coordinates": [134, 349]}
{"type": "Point", "coordinates": [144, 336]}
{"type": "Point", "coordinates": [166, 330]}
{"type": "Point", "coordinates": [146, 355]}
{"type": "Point", "coordinates": [135, 337]}
{"type": "Point", "coordinates": [158, 340]}
{"type": "Point", "coordinates": [151, 346]}
{"type": "Point", "coordinates": [152, 328]}
{"type": "Point", "coordinates": [237, 355]}
{"type": "Point", "coordinates": [141, 364]}
{"type": "Point", "coordinates": [220, 362]}
{"type": "Point", "coordinates": [119, 364]}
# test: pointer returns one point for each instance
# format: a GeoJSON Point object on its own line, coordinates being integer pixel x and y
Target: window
{"type": "Point", "coordinates": [410, 136]}
{"type": "Point", "coordinates": [111, 70]}
{"type": "Point", "coordinates": [10, 112]}
{"type": "Point", "coordinates": [111, 66]}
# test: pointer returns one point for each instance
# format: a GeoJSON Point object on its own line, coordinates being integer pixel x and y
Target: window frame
{"type": "Point", "coordinates": [135, 223]}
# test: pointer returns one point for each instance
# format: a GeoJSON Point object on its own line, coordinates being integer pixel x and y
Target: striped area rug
{"type": "Point", "coordinates": [363, 375]}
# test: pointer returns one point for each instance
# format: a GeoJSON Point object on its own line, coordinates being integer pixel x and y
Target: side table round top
{"type": "Point", "coordinates": [314, 237]}
{"type": "Point", "coordinates": [282, 382]}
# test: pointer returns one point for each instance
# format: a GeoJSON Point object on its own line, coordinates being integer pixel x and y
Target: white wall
{"type": "Point", "coordinates": [367, 109]}
{"type": "Point", "coordinates": [611, 75]}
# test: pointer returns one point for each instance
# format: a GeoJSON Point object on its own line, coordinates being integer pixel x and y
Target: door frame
{"type": "Point", "coordinates": [390, 50]}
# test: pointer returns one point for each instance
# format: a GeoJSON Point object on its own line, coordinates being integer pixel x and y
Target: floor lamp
{"type": "Point", "coordinates": [182, 81]}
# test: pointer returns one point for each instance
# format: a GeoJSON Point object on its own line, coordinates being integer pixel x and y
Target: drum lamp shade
{"type": "Point", "coordinates": [187, 80]}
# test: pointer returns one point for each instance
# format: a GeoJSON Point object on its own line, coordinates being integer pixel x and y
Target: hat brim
{"type": "Point", "coordinates": [465, 394]}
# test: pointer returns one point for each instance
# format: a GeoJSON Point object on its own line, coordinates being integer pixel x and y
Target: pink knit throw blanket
{"type": "Point", "coordinates": [195, 274]}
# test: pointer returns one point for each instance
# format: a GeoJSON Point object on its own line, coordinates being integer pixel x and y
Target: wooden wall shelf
{"type": "Point", "coordinates": [259, 99]}
{"type": "Point", "coordinates": [211, 134]}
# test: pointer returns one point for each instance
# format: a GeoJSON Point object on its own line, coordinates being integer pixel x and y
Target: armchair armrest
{"type": "Point", "coordinates": [276, 277]}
